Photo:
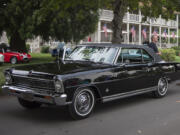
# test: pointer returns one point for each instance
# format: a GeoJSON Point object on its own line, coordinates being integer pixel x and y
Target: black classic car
{"type": "Point", "coordinates": [91, 73]}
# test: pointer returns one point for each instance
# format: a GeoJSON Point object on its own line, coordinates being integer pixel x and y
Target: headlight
{"type": "Point", "coordinates": [8, 78]}
{"type": "Point", "coordinates": [59, 86]}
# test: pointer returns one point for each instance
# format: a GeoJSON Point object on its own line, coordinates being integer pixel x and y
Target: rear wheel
{"type": "Point", "coordinates": [162, 88]}
{"type": "Point", "coordinates": [13, 60]}
{"type": "Point", "coordinates": [83, 104]}
{"type": "Point", "coordinates": [28, 104]}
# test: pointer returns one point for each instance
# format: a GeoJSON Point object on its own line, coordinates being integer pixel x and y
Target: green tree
{"type": "Point", "coordinates": [66, 20]}
{"type": "Point", "coordinates": [17, 21]}
{"type": "Point", "coordinates": [149, 8]}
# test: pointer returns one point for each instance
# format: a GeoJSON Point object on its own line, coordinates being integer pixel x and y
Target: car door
{"type": "Point", "coordinates": [152, 68]}
{"type": "Point", "coordinates": [132, 73]}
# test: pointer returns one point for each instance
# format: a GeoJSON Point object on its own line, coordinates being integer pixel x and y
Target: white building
{"type": "Point", "coordinates": [167, 31]}
{"type": "Point", "coordinates": [3, 38]}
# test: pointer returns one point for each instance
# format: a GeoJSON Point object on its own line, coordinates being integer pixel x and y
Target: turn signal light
{"type": "Point", "coordinates": [48, 97]}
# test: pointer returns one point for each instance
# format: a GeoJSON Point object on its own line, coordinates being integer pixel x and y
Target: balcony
{"type": "Point", "coordinates": [107, 15]}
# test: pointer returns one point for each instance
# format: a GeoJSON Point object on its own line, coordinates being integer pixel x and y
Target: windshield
{"type": "Point", "coordinates": [94, 54]}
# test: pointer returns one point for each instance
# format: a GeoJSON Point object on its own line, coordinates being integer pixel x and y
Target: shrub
{"type": "Point", "coordinates": [176, 47]}
{"type": "Point", "coordinates": [45, 49]}
{"type": "Point", "coordinates": [168, 54]}
{"type": "Point", "coordinates": [27, 47]}
{"type": "Point", "coordinates": [177, 50]}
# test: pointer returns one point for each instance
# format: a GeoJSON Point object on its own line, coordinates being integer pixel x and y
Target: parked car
{"type": "Point", "coordinates": [14, 57]}
{"type": "Point", "coordinates": [93, 72]}
{"type": "Point", "coordinates": [59, 50]}
{"type": "Point", "coordinates": [1, 59]}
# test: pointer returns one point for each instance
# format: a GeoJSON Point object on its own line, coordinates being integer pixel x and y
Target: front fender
{"type": "Point", "coordinates": [71, 90]}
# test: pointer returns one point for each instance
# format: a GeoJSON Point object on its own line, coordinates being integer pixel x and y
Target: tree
{"type": "Point", "coordinates": [17, 21]}
{"type": "Point", "coordinates": [65, 20]}
{"type": "Point", "coordinates": [149, 8]}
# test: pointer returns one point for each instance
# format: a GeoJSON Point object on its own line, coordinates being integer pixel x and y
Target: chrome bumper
{"type": "Point", "coordinates": [32, 95]}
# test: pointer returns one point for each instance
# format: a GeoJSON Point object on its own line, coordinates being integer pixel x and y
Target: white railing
{"type": "Point", "coordinates": [172, 23]}
{"type": "Point", "coordinates": [106, 14]}
{"type": "Point", "coordinates": [136, 18]}
{"type": "Point", "coordinates": [156, 21]}
{"type": "Point", "coordinates": [164, 22]}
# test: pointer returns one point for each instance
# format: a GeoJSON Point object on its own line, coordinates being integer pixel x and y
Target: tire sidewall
{"type": "Point", "coordinates": [12, 59]}
{"type": "Point", "coordinates": [72, 109]}
{"type": "Point", "coordinates": [157, 93]}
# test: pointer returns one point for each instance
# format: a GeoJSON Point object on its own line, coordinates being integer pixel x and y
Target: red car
{"type": "Point", "coordinates": [14, 57]}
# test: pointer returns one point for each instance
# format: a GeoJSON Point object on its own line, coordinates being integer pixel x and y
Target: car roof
{"type": "Point", "coordinates": [145, 47]}
{"type": "Point", "coordinates": [114, 45]}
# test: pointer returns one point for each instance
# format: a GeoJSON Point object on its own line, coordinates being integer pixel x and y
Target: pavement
{"type": "Point", "coordinates": [139, 115]}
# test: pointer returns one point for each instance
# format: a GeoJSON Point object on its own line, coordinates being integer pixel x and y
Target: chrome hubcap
{"type": "Point", "coordinates": [162, 86]}
{"type": "Point", "coordinates": [13, 61]}
{"type": "Point", "coordinates": [84, 102]}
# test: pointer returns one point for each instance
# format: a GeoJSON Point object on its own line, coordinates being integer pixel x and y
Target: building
{"type": "Point", "coordinates": [136, 31]}
{"type": "Point", "coordinates": [3, 38]}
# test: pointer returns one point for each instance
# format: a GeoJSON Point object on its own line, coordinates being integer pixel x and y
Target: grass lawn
{"type": "Point", "coordinates": [36, 58]}
{"type": "Point", "coordinates": [177, 59]}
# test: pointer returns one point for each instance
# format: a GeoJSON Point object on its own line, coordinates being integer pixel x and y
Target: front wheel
{"type": "Point", "coordinates": [13, 60]}
{"type": "Point", "coordinates": [162, 88]}
{"type": "Point", "coordinates": [28, 104]}
{"type": "Point", "coordinates": [83, 104]}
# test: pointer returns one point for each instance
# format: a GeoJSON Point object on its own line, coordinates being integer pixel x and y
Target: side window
{"type": "Point", "coordinates": [1, 51]}
{"type": "Point", "coordinates": [130, 55]}
{"type": "Point", "coordinates": [146, 57]}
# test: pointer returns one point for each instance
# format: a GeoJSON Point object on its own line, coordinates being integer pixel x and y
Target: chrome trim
{"type": "Point", "coordinates": [115, 61]}
{"type": "Point", "coordinates": [57, 99]}
{"type": "Point", "coordinates": [56, 78]}
{"type": "Point", "coordinates": [32, 78]}
{"type": "Point", "coordinates": [116, 55]}
{"type": "Point", "coordinates": [128, 94]}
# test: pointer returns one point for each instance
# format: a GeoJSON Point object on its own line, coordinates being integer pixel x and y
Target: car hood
{"type": "Point", "coordinates": [61, 68]}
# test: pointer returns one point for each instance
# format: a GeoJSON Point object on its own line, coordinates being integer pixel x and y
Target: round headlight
{"type": "Point", "coordinates": [58, 86]}
{"type": "Point", "coordinates": [8, 78]}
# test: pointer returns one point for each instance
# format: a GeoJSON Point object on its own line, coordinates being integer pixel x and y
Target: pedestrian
{"type": "Point", "coordinates": [153, 45]}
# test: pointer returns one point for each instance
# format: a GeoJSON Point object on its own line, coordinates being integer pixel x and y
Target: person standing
{"type": "Point", "coordinates": [153, 45]}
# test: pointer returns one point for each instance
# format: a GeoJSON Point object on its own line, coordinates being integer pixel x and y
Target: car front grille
{"type": "Point", "coordinates": [29, 82]}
